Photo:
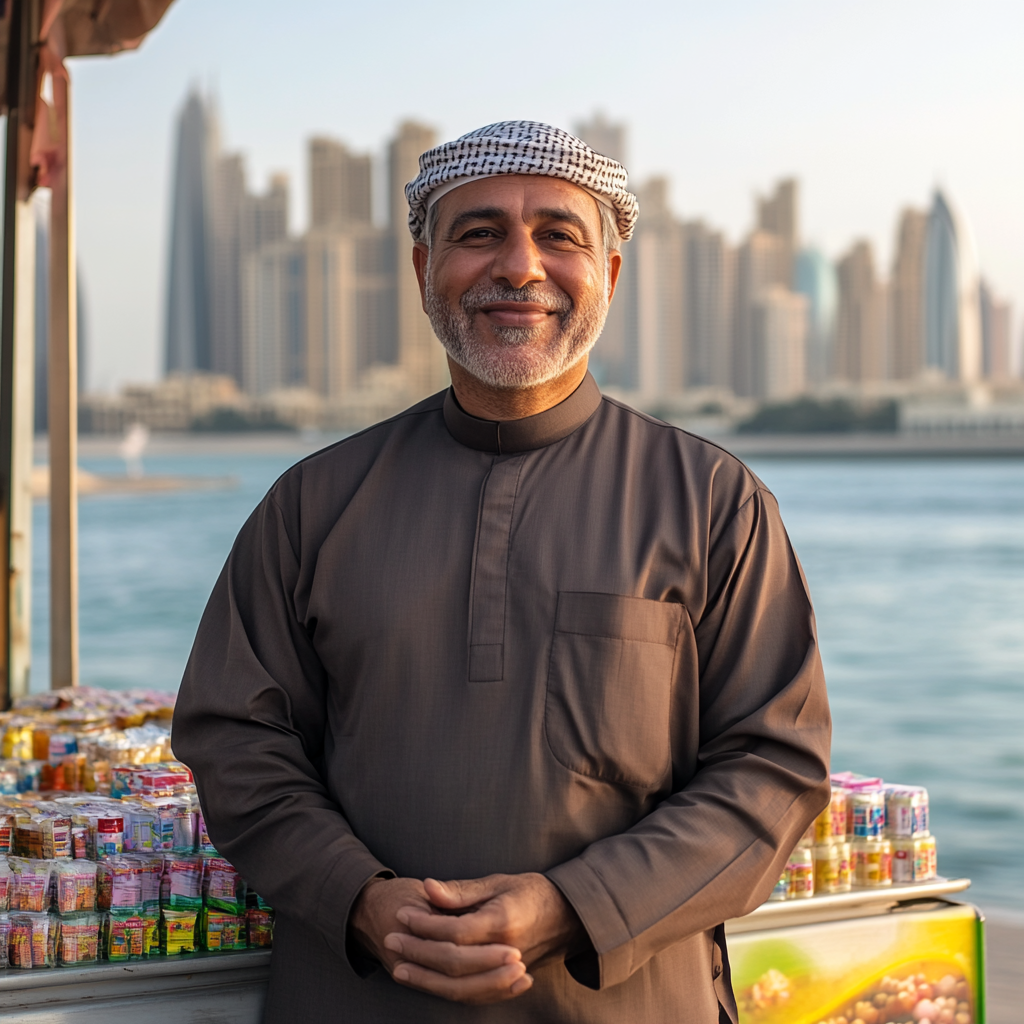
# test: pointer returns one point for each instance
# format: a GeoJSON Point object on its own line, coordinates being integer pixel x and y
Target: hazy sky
{"type": "Point", "coordinates": [869, 104]}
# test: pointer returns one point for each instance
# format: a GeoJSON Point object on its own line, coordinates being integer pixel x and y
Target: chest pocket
{"type": "Point", "coordinates": [609, 691]}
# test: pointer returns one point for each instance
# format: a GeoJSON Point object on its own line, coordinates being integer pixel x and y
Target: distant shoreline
{"type": "Point", "coordinates": [778, 446]}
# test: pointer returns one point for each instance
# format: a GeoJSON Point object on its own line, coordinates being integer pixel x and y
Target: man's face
{"type": "Point", "coordinates": [516, 281]}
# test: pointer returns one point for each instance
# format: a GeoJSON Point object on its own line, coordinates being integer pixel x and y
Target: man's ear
{"type": "Point", "coordinates": [420, 255]}
{"type": "Point", "coordinates": [614, 266]}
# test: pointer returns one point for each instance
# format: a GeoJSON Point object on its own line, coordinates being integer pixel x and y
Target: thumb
{"type": "Point", "coordinates": [459, 894]}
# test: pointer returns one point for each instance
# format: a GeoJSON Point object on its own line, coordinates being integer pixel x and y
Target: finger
{"type": "Point", "coordinates": [458, 894]}
{"type": "Point", "coordinates": [448, 958]}
{"type": "Point", "coordinates": [478, 928]}
{"type": "Point", "coordinates": [489, 987]}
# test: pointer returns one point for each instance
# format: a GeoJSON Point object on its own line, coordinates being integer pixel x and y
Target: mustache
{"type": "Point", "coordinates": [481, 295]}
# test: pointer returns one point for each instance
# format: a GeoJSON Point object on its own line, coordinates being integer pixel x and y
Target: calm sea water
{"type": "Point", "coordinates": [916, 568]}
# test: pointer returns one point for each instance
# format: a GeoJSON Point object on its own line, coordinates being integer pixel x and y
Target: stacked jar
{"type": "Point", "coordinates": [914, 856]}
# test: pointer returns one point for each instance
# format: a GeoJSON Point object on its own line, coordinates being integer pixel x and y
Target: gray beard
{"type": "Point", "coordinates": [520, 359]}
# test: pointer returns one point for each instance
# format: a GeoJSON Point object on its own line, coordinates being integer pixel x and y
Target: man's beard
{"type": "Point", "coordinates": [521, 358]}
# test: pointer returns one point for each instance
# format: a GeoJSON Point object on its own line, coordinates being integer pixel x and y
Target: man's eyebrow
{"type": "Point", "coordinates": [497, 213]}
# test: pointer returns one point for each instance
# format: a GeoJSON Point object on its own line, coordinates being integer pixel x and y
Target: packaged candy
{"type": "Point", "coordinates": [151, 871]}
{"type": "Point", "coordinates": [872, 863]}
{"type": "Point", "coordinates": [223, 888]}
{"type": "Point", "coordinates": [31, 940]}
{"type": "Point", "coordinates": [220, 931]}
{"type": "Point", "coordinates": [151, 934]}
{"type": "Point", "coordinates": [78, 939]}
{"type": "Point", "coordinates": [906, 812]}
{"type": "Point", "coordinates": [177, 931]}
{"type": "Point", "coordinates": [119, 886]}
{"type": "Point", "coordinates": [125, 936]}
{"type": "Point", "coordinates": [76, 886]}
{"type": "Point", "coordinates": [30, 884]}
{"type": "Point", "coordinates": [6, 832]}
{"type": "Point", "coordinates": [109, 835]}
{"type": "Point", "coordinates": [259, 928]}
{"type": "Point", "coordinates": [182, 883]}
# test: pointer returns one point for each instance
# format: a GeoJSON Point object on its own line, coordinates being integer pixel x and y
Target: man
{"type": "Point", "coordinates": [507, 703]}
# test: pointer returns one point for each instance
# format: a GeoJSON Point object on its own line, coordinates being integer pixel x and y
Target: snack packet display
{"type": "Point", "coordinates": [76, 886]}
{"type": "Point", "coordinates": [182, 883]}
{"type": "Point", "coordinates": [223, 888]}
{"type": "Point", "coordinates": [31, 940]}
{"type": "Point", "coordinates": [177, 931]}
{"type": "Point", "coordinates": [78, 939]}
{"type": "Point", "coordinates": [30, 884]}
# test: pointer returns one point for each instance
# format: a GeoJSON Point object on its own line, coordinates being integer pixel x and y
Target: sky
{"type": "Point", "coordinates": [871, 105]}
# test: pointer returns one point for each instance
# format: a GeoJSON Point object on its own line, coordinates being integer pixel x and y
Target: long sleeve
{"type": "Point", "coordinates": [714, 848]}
{"type": "Point", "coordinates": [250, 722]}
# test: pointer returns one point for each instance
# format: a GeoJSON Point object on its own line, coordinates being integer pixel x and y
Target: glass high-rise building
{"type": "Point", "coordinates": [815, 278]}
{"type": "Point", "coordinates": [952, 319]}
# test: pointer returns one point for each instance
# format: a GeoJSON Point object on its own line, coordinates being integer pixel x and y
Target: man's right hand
{"type": "Point", "coordinates": [465, 974]}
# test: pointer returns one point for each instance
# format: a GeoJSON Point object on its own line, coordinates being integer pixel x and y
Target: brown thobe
{"type": "Point", "coordinates": [578, 643]}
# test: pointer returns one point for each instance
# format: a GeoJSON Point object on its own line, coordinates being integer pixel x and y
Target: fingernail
{"type": "Point", "coordinates": [401, 974]}
{"type": "Point", "coordinates": [441, 884]}
{"type": "Point", "coordinates": [393, 942]}
{"type": "Point", "coordinates": [403, 916]}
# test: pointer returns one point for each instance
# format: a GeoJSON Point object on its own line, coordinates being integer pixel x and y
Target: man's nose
{"type": "Point", "coordinates": [518, 260]}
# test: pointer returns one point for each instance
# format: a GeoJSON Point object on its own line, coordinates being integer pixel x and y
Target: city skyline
{"type": "Point", "coordinates": [334, 311]}
{"type": "Point", "coordinates": [870, 106]}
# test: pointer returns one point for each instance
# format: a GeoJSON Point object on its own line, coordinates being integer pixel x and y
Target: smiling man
{"type": "Point", "coordinates": [507, 703]}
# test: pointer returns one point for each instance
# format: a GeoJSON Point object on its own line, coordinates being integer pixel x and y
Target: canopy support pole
{"type": "Point", "coordinates": [63, 408]}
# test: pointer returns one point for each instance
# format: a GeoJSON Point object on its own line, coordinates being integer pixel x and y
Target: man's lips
{"type": "Point", "coordinates": [516, 314]}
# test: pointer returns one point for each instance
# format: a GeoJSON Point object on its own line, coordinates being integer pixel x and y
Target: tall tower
{"type": "Point", "coordinates": [816, 280]}
{"type": "Point", "coordinates": [709, 266]}
{"type": "Point", "coordinates": [952, 320]}
{"type": "Point", "coordinates": [779, 214]}
{"type": "Point", "coordinates": [603, 137]}
{"type": "Point", "coordinates": [995, 335]}
{"type": "Point", "coordinates": [760, 264]}
{"type": "Point", "coordinates": [339, 185]}
{"type": "Point", "coordinates": [419, 353]}
{"type": "Point", "coordinates": [860, 326]}
{"type": "Point", "coordinates": [187, 330]}
{"type": "Point", "coordinates": [906, 297]}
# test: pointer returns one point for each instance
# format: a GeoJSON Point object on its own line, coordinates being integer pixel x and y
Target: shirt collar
{"type": "Point", "coordinates": [505, 437]}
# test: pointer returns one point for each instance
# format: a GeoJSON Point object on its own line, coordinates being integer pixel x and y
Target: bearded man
{"type": "Point", "coordinates": [507, 703]}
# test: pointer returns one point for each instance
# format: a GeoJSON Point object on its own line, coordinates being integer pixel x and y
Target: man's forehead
{"type": "Point", "coordinates": [518, 195]}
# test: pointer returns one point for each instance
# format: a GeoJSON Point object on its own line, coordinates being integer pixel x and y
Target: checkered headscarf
{"type": "Point", "coordinates": [521, 147]}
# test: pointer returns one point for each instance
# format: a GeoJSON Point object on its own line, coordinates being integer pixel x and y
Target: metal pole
{"type": "Point", "coordinates": [15, 55]}
{"type": "Point", "coordinates": [63, 408]}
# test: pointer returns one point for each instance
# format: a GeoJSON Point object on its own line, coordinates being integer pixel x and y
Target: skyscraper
{"type": "Point", "coordinates": [906, 297]}
{"type": "Point", "coordinates": [779, 343]}
{"type": "Point", "coordinates": [952, 320]}
{"type": "Point", "coordinates": [419, 354]}
{"type": "Point", "coordinates": [860, 322]}
{"type": "Point", "coordinates": [779, 214]}
{"type": "Point", "coordinates": [339, 185]}
{"type": "Point", "coordinates": [815, 279]}
{"type": "Point", "coordinates": [761, 262]}
{"type": "Point", "coordinates": [709, 268]}
{"type": "Point", "coordinates": [603, 136]}
{"type": "Point", "coordinates": [187, 330]}
{"type": "Point", "coordinates": [995, 335]}
{"type": "Point", "coordinates": [658, 250]}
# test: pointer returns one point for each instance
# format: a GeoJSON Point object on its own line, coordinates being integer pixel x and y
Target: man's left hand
{"type": "Point", "coordinates": [524, 911]}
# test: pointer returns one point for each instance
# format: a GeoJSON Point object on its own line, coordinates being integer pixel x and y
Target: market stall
{"type": "Point", "coordinates": [110, 888]}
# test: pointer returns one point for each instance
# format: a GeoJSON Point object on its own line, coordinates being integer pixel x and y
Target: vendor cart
{"type": "Point", "coordinates": [796, 962]}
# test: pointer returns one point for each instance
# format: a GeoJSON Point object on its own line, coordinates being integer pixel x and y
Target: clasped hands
{"type": "Point", "coordinates": [469, 941]}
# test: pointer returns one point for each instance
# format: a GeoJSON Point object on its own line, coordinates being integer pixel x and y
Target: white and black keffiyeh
{"type": "Point", "coordinates": [521, 147]}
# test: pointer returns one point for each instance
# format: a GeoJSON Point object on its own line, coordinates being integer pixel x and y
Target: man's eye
{"type": "Point", "coordinates": [478, 233]}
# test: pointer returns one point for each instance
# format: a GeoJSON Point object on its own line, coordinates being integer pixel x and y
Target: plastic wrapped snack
{"type": "Point", "coordinates": [30, 884]}
{"type": "Point", "coordinates": [177, 931]}
{"type": "Point", "coordinates": [119, 886]}
{"type": "Point", "coordinates": [32, 940]}
{"type": "Point", "coordinates": [223, 888]}
{"type": "Point", "coordinates": [76, 886]}
{"type": "Point", "coordinates": [124, 936]}
{"type": "Point", "coordinates": [220, 931]}
{"type": "Point", "coordinates": [182, 884]}
{"type": "Point", "coordinates": [5, 939]}
{"type": "Point", "coordinates": [78, 939]}
{"type": "Point", "coordinates": [259, 928]}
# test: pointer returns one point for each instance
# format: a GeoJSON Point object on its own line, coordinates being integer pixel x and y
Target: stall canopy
{"type": "Point", "coordinates": [36, 36]}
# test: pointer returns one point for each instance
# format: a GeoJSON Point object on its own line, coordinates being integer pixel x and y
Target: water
{"type": "Point", "coordinates": [916, 568]}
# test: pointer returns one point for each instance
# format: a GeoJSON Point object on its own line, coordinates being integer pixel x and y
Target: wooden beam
{"type": "Point", "coordinates": [63, 409]}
